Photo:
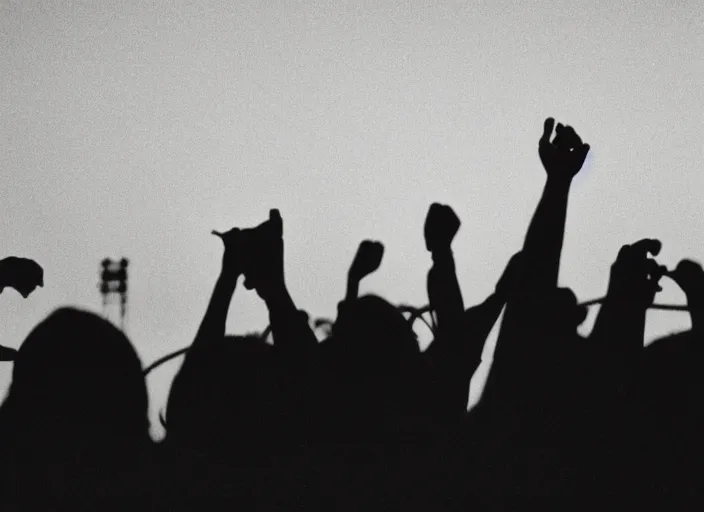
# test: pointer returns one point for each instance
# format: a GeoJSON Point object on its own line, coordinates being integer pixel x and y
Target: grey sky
{"type": "Point", "coordinates": [134, 128]}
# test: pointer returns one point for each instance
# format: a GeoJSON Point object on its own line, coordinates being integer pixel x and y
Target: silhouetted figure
{"type": "Point", "coordinates": [451, 360]}
{"type": "Point", "coordinates": [673, 385]}
{"type": "Point", "coordinates": [613, 448]}
{"type": "Point", "coordinates": [365, 420]}
{"type": "Point", "coordinates": [74, 424]}
{"type": "Point", "coordinates": [224, 424]}
{"type": "Point", "coordinates": [441, 226]}
{"type": "Point", "coordinates": [368, 406]}
{"type": "Point", "coordinates": [455, 353]}
{"type": "Point", "coordinates": [237, 407]}
{"type": "Point", "coordinates": [524, 410]}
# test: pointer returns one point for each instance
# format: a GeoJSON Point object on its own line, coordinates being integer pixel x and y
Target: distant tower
{"type": "Point", "coordinates": [113, 288]}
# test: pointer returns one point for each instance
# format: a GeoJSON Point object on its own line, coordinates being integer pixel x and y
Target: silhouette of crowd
{"type": "Point", "coordinates": [365, 419]}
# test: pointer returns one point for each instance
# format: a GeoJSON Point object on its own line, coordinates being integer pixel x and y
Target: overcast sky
{"type": "Point", "coordinates": [134, 128]}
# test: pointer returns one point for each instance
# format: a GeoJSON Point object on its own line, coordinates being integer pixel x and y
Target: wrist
{"type": "Point", "coordinates": [559, 181]}
{"type": "Point", "coordinates": [353, 277]}
{"type": "Point", "coordinates": [442, 255]}
{"type": "Point", "coordinates": [274, 294]}
{"type": "Point", "coordinates": [229, 276]}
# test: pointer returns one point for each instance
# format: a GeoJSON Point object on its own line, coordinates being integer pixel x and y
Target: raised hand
{"type": "Point", "coordinates": [635, 275]}
{"type": "Point", "coordinates": [22, 274]}
{"type": "Point", "coordinates": [441, 226]}
{"type": "Point", "coordinates": [265, 266]}
{"type": "Point", "coordinates": [565, 155]}
{"type": "Point", "coordinates": [620, 324]}
{"type": "Point", "coordinates": [232, 260]}
{"type": "Point", "coordinates": [257, 253]}
{"type": "Point", "coordinates": [367, 259]}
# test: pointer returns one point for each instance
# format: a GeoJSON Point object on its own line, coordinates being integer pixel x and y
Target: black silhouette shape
{"type": "Point", "coordinates": [364, 420]}
{"type": "Point", "coordinates": [238, 402]}
{"type": "Point", "coordinates": [366, 260]}
{"type": "Point", "coordinates": [528, 405]}
{"type": "Point", "coordinates": [22, 274]}
{"type": "Point", "coordinates": [672, 385]}
{"type": "Point", "coordinates": [74, 423]}
{"type": "Point", "coordinates": [632, 288]}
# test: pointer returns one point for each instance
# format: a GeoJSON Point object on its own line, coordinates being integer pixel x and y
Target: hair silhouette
{"type": "Point", "coordinates": [76, 413]}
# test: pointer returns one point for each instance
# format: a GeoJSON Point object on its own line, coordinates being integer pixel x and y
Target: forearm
{"type": "Point", "coordinates": [214, 321]}
{"type": "Point", "coordinates": [477, 323]}
{"type": "Point", "coordinates": [482, 318]}
{"type": "Point", "coordinates": [543, 243]}
{"type": "Point", "coordinates": [288, 325]}
{"type": "Point", "coordinates": [539, 267]}
{"type": "Point", "coordinates": [444, 292]}
{"type": "Point", "coordinates": [185, 387]}
{"type": "Point", "coordinates": [619, 324]}
{"type": "Point", "coordinates": [352, 288]}
{"type": "Point", "coordinates": [516, 333]}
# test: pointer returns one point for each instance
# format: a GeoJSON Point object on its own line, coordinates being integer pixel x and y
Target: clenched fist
{"type": "Point", "coordinates": [564, 156]}
{"type": "Point", "coordinates": [441, 226]}
{"type": "Point", "coordinates": [22, 274]}
{"type": "Point", "coordinates": [367, 259]}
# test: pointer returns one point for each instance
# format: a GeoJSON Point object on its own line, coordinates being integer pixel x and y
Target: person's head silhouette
{"type": "Point", "coordinates": [375, 330]}
{"type": "Point", "coordinates": [229, 394]}
{"type": "Point", "coordinates": [565, 311]}
{"type": "Point", "coordinates": [77, 385]}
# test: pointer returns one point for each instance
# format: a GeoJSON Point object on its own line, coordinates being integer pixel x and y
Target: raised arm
{"type": "Point", "coordinates": [366, 260]}
{"type": "Point", "coordinates": [454, 361]}
{"type": "Point", "coordinates": [441, 226]}
{"type": "Point", "coordinates": [633, 284]}
{"type": "Point", "coordinates": [212, 327]}
{"type": "Point", "coordinates": [445, 357]}
{"type": "Point", "coordinates": [214, 321]}
{"type": "Point", "coordinates": [265, 274]}
{"type": "Point", "coordinates": [479, 320]}
{"type": "Point", "coordinates": [537, 274]}
{"type": "Point", "coordinates": [562, 159]}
